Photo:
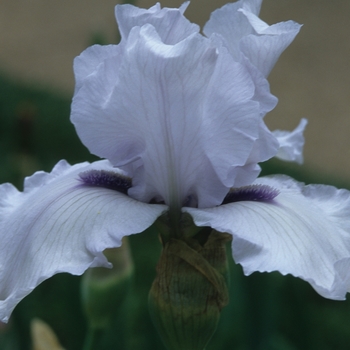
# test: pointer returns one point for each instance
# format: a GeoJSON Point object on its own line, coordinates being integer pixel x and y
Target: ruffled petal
{"type": "Point", "coordinates": [248, 36]}
{"type": "Point", "coordinates": [303, 231]}
{"type": "Point", "coordinates": [170, 23]}
{"type": "Point", "coordinates": [177, 112]}
{"type": "Point", "coordinates": [264, 48]}
{"type": "Point", "coordinates": [87, 63]}
{"type": "Point", "coordinates": [231, 24]}
{"type": "Point", "coordinates": [262, 89]}
{"type": "Point", "coordinates": [59, 224]}
{"type": "Point", "coordinates": [291, 144]}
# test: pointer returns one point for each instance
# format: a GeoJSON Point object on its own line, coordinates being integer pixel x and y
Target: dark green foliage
{"type": "Point", "coordinates": [35, 131]}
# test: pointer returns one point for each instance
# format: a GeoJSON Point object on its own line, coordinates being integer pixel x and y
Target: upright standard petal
{"type": "Point", "coordinates": [170, 23]}
{"type": "Point", "coordinates": [177, 113]}
{"type": "Point", "coordinates": [303, 231]}
{"type": "Point", "coordinates": [60, 223]}
{"type": "Point", "coordinates": [265, 46]}
{"type": "Point", "coordinates": [246, 35]}
{"type": "Point", "coordinates": [291, 143]}
{"type": "Point", "coordinates": [88, 62]}
{"type": "Point", "coordinates": [231, 24]}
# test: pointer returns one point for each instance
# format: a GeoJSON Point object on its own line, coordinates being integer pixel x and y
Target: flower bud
{"type": "Point", "coordinates": [104, 289]}
{"type": "Point", "coordinates": [189, 291]}
{"type": "Point", "coordinates": [43, 336]}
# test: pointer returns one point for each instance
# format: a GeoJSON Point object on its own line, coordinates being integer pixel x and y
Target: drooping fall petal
{"type": "Point", "coordinates": [303, 231]}
{"type": "Point", "coordinates": [60, 224]}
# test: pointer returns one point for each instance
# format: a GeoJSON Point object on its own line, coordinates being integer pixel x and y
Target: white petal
{"type": "Point", "coordinates": [291, 143]}
{"type": "Point", "coordinates": [87, 63]}
{"type": "Point", "coordinates": [304, 231]}
{"type": "Point", "coordinates": [264, 49]}
{"type": "Point", "coordinates": [264, 148]}
{"type": "Point", "coordinates": [185, 114]}
{"type": "Point", "coordinates": [246, 34]}
{"type": "Point", "coordinates": [57, 224]}
{"type": "Point", "coordinates": [232, 24]}
{"type": "Point", "coordinates": [170, 23]}
{"type": "Point", "coordinates": [262, 89]}
{"type": "Point", "coordinates": [233, 27]}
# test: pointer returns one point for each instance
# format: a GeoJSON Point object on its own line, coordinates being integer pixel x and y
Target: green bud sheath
{"type": "Point", "coordinates": [103, 290]}
{"type": "Point", "coordinates": [189, 291]}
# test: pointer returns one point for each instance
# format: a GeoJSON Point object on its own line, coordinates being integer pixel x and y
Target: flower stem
{"type": "Point", "coordinates": [92, 339]}
{"type": "Point", "coordinates": [174, 221]}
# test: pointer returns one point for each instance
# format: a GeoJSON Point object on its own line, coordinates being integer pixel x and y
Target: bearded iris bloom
{"type": "Point", "coordinates": [178, 118]}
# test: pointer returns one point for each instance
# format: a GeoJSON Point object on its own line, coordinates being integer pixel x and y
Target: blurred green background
{"type": "Point", "coordinates": [267, 311]}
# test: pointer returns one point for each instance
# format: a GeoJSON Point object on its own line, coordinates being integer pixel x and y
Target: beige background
{"type": "Point", "coordinates": [40, 38]}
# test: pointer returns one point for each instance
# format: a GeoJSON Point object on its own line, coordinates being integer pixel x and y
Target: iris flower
{"type": "Point", "coordinates": [177, 117]}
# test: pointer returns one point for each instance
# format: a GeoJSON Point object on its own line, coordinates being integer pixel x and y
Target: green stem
{"type": "Point", "coordinates": [175, 221]}
{"type": "Point", "coordinates": [92, 339]}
